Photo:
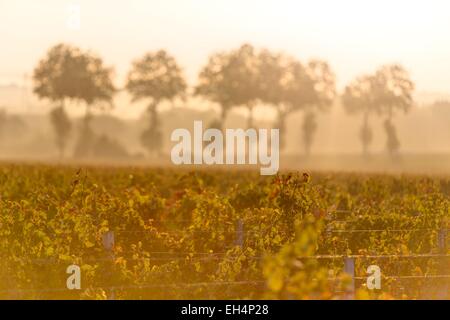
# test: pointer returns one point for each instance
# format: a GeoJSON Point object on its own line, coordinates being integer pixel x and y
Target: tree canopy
{"type": "Point", "coordinates": [359, 96]}
{"type": "Point", "coordinates": [394, 89]}
{"type": "Point", "coordinates": [155, 76]}
{"type": "Point", "coordinates": [68, 73]}
{"type": "Point", "coordinates": [230, 79]}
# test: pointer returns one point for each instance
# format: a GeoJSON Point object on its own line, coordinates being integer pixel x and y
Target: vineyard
{"type": "Point", "coordinates": [139, 233]}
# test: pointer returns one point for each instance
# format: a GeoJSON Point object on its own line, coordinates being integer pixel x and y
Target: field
{"type": "Point", "coordinates": [211, 234]}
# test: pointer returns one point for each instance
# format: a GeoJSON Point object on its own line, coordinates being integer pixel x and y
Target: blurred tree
{"type": "Point", "coordinates": [394, 90]}
{"type": "Point", "coordinates": [96, 90]}
{"type": "Point", "coordinates": [157, 77]}
{"type": "Point", "coordinates": [272, 75]}
{"type": "Point", "coordinates": [212, 84]}
{"type": "Point", "coordinates": [56, 78]}
{"type": "Point", "coordinates": [67, 73]}
{"type": "Point", "coordinates": [231, 79]}
{"type": "Point", "coordinates": [322, 94]}
{"type": "Point", "coordinates": [57, 75]}
{"type": "Point", "coordinates": [359, 97]}
{"type": "Point", "coordinates": [298, 94]}
{"type": "Point", "coordinates": [296, 87]}
{"type": "Point", "coordinates": [245, 67]}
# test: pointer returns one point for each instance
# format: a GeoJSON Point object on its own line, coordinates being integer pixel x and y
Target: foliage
{"type": "Point", "coordinates": [177, 233]}
{"type": "Point", "coordinates": [68, 73]}
{"type": "Point", "coordinates": [155, 76]}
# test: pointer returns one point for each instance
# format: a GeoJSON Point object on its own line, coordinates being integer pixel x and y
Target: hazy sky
{"type": "Point", "coordinates": [355, 36]}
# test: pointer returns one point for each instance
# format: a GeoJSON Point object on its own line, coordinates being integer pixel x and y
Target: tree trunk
{"type": "Point", "coordinates": [392, 144]}
{"type": "Point", "coordinates": [223, 117]}
{"type": "Point", "coordinates": [152, 136]}
{"type": "Point", "coordinates": [61, 142]}
{"type": "Point", "coordinates": [309, 128]}
{"type": "Point", "coordinates": [250, 117]}
{"type": "Point", "coordinates": [153, 115]}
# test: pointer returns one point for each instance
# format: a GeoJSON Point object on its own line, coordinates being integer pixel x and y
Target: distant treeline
{"type": "Point", "coordinates": [243, 77]}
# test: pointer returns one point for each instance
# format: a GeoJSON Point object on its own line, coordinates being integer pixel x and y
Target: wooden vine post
{"type": "Point", "coordinates": [108, 245]}
{"type": "Point", "coordinates": [349, 268]}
